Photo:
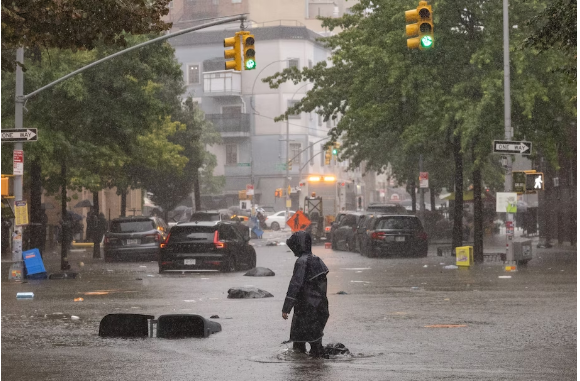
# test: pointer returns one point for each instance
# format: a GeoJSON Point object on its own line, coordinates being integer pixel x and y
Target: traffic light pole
{"type": "Point", "coordinates": [15, 272]}
{"type": "Point", "coordinates": [508, 128]}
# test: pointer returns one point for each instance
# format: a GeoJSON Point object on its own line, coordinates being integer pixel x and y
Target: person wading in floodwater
{"type": "Point", "coordinates": [307, 295]}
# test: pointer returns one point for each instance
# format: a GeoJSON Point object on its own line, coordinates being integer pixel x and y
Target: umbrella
{"type": "Point", "coordinates": [46, 206]}
{"type": "Point", "coordinates": [84, 204]}
{"type": "Point", "coordinates": [74, 216]}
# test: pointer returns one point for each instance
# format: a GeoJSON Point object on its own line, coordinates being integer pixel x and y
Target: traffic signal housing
{"type": "Point", "coordinates": [289, 164]}
{"type": "Point", "coordinates": [278, 192]}
{"type": "Point", "coordinates": [235, 53]}
{"type": "Point", "coordinates": [534, 181]}
{"type": "Point", "coordinates": [328, 156]}
{"type": "Point", "coordinates": [249, 51]}
{"type": "Point", "coordinates": [422, 28]}
{"type": "Point", "coordinates": [335, 148]}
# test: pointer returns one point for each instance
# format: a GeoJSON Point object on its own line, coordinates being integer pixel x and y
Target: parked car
{"type": "Point", "coordinates": [206, 245]}
{"type": "Point", "coordinates": [361, 230]}
{"type": "Point", "coordinates": [210, 215]}
{"type": "Point", "coordinates": [278, 220]}
{"type": "Point", "coordinates": [343, 235]}
{"type": "Point", "coordinates": [329, 230]}
{"type": "Point", "coordinates": [134, 238]}
{"type": "Point", "coordinates": [387, 208]}
{"type": "Point", "coordinates": [395, 234]}
{"type": "Point", "coordinates": [266, 210]}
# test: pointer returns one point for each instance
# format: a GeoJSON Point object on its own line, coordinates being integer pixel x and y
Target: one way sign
{"type": "Point", "coordinates": [502, 146]}
{"type": "Point", "coordinates": [19, 135]}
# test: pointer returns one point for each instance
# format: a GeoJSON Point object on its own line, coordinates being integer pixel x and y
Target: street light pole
{"type": "Point", "coordinates": [15, 272]}
{"type": "Point", "coordinates": [507, 126]}
{"type": "Point", "coordinates": [288, 156]}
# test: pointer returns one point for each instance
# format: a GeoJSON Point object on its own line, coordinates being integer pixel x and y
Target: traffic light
{"type": "Point", "coordinates": [328, 156]}
{"type": "Point", "coordinates": [289, 164]}
{"type": "Point", "coordinates": [534, 181]}
{"type": "Point", "coordinates": [249, 51]}
{"type": "Point", "coordinates": [5, 189]}
{"type": "Point", "coordinates": [234, 53]}
{"type": "Point", "coordinates": [422, 28]}
{"type": "Point", "coordinates": [335, 148]}
{"type": "Point", "coordinates": [519, 181]}
{"type": "Point", "coordinates": [278, 192]}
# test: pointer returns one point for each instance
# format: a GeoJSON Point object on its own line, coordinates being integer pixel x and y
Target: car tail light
{"type": "Point", "coordinates": [327, 229]}
{"type": "Point", "coordinates": [164, 243]}
{"type": "Point", "coordinates": [378, 235]}
{"type": "Point", "coordinates": [109, 240]}
{"type": "Point", "coordinates": [216, 241]}
{"type": "Point", "coordinates": [422, 235]}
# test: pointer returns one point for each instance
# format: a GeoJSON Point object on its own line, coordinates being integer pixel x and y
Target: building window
{"type": "Point", "coordinates": [312, 154]}
{"type": "Point", "coordinates": [328, 123]}
{"type": "Point", "coordinates": [321, 155]}
{"type": "Point", "coordinates": [231, 153]}
{"type": "Point", "coordinates": [319, 120]}
{"type": "Point", "coordinates": [231, 110]}
{"type": "Point", "coordinates": [236, 1]}
{"type": "Point", "coordinates": [170, 5]}
{"type": "Point", "coordinates": [295, 149]}
{"type": "Point", "coordinates": [291, 104]}
{"type": "Point", "coordinates": [293, 62]}
{"type": "Point", "coordinates": [215, 2]}
{"type": "Point", "coordinates": [193, 74]}
{"type": "Point", "coordinates": [310, 64]}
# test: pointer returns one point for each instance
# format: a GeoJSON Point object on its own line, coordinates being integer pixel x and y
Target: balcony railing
{"type": "Point", "coordinates": [222, 83]}
{"type": "Point", "coordinates": [231, 125]}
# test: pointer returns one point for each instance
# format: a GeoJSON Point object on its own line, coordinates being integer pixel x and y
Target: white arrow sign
{"type": "Point", "coordinates": [19, 135]}
{"type": "Point", "coordinates": [524, 148]}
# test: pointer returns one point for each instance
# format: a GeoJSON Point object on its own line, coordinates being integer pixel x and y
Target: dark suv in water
{"type": "Point", "coordinates": [207, 245]}
{"type": "Point", "coordinates": [134, 238]}
{"type": "Point", "coordinates": [392, 234]}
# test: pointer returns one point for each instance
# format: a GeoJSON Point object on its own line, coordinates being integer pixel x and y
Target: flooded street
{"type": "Point", "coordinates": [401, 318]}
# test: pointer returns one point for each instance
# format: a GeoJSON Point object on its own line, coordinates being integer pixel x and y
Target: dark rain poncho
{"type": "Point", "coordinates": [306, 292]}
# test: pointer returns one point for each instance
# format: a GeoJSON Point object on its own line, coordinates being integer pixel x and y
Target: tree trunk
{"type": "Point", "coordinates": [123, 202]}
{"type": "Point", "coordinates": [96, 240]}
{"type": "Point", "coordinates": [36, 226]}
{"type": "Point", "coordinates": [458, 205]}
{"type": "Point", "coordinates": [477, 218]}
{"type": "Point", "coordinates": [66, 221]}
{"type": "Point", "coordinates": [432, 198]}
{"type": "Point", "coordinates": [413, 192]}
{"type": "Point", "coordinates": [196, 191]}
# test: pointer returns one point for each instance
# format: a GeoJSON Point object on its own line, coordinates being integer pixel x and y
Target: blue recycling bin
{"type": "Point", "coordinates": [33, 265]}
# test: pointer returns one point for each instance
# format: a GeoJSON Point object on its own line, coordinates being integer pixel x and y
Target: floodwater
{"type": "Point", "coordinates": [401, 318]}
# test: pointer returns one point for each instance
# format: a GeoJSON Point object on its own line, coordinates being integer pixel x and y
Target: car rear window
{"type": "Point", "coordinates": [192, 233]}
{"type": "Point", "coordinates": [397, 223]}
{"type": "Point", "coordinates": [205, 217]}
{"type": "Point", "coordinates": [132, 226]}
{"type": "Point", "coordinates": [395, 209]}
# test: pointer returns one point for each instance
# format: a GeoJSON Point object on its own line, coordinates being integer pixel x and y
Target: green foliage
{"type": "Point", "coordinates": [76, 25]}
{"type": "Point", "coordinates": [394, 104]}
{"type": "Point", "coordinates": [169, 187]}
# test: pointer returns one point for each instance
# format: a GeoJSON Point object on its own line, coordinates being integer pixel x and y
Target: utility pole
{"type": "Point", "coordinates": [287, 183]}
{"type": "Point", "coordinates": [421, 193]}
{"type": "Point", "coordinates": [507, 125]}
{"type": "Point", "coordinates": [15, 272]}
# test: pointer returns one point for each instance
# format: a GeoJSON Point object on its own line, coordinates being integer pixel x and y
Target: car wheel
{"type": "Point", "coordinates": [252, 261]}
{"type": "Point", "coordinates": [275, 226]}
{"type": "Point", "coordinates": [230, 265]}
{"type": "Point", "coordinates": [334, 244]}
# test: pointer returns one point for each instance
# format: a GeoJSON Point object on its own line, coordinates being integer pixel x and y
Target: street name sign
{"type": "Point", "coordinates": [19, 135]}
{"type": "Point", "coordinates": [503, 146]}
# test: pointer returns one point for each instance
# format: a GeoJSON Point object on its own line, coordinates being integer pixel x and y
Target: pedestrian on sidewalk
{"type": "Point", "coordinates": [307, 296]}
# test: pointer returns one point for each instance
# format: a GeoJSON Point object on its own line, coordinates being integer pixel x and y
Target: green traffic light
{"type": "Point", "coordinates": [250, 64]}
{"type": "Point", "coordinates": [334, 151]}
{"type": "Point", "coordinates": [426, 41]}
